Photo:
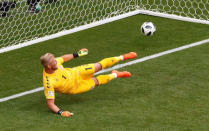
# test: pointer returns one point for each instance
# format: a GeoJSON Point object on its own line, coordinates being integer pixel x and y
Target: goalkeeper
{"type": "Point", "coordinates": [78, 79]}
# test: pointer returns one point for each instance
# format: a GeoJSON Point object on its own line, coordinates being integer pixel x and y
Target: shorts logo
{"type": "Point", "coordinates": [61, 67]}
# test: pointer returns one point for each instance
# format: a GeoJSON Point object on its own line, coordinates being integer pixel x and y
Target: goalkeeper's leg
{"type": "Point", "coordinates": [107, 62]}
{"type": "Point", "coordinates": [104, 79]}
{"type": "Point", "coordinates": [89, 84]}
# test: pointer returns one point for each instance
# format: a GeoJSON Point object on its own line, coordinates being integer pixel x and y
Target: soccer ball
{"type": "Point", "coordinates": [148, 28]}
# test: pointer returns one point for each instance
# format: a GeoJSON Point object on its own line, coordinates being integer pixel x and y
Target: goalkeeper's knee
{"type": "Point", "coordinates": [103, 79]}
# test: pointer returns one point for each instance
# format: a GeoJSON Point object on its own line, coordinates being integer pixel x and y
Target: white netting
{"type": "Point", "coordinates": [197, 9]}
{"type": "Point", "coordinates": [23, 21]}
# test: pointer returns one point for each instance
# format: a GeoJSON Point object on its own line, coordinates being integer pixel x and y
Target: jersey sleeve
{"type": "Point", "coordinates": [49, 93]}
{"type": "Point", "coordinates": [49, 89]}
{"type": "Point", "coordinates": [59, 60]}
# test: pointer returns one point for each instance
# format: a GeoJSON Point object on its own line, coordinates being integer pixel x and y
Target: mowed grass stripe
{"type": "Point", "coordinates": [116, 67]}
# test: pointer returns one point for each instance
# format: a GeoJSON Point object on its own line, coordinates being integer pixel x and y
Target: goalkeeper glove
{"type": "Point", "coordinates": [80, 53]}
{"type": "Point", "coordinates": [65, 113]}
{"type": "Point", "coordinates": [83, 52]}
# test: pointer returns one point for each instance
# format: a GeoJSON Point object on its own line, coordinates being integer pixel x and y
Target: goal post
{"type": "Point", "coordinates": [186, 10]}
{"type": "Point", "coordinates": [26, 22]}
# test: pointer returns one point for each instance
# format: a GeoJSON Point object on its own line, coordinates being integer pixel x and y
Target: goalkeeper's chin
{"type": "Point", "coordinates": [54, 68]}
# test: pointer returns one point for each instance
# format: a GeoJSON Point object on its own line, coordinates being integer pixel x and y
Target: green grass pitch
{"type": "Point", "coordinates": [166, 93]}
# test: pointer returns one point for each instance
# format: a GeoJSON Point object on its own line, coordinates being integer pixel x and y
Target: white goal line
{"type": "Point", "coordinates": [116, 67]}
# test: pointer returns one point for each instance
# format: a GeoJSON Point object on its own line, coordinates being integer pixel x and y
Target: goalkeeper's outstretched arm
{"type": "Point", "coordinates": [51, 105]}
{"type": "Point", "coordinates": [67, 57]}
{"type": "Point", "coordinates": [55, 109]}
{"type": "Point", "coordinates": [80, 53]}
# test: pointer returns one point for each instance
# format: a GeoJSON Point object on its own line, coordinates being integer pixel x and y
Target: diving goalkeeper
{"type": "Point", "coordinates": [78, 79]}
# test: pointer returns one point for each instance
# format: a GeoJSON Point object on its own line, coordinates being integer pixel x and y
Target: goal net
{"type": "Point", "coordinates": [25, 22]}
{"type": "Point", "coordinates": [187, 10]}
{"type": "Point", "coordinates": [29, 20]}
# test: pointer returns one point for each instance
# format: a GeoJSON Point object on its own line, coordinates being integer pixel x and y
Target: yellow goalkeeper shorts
{"type": "Point", "coordinates": [85, 82]}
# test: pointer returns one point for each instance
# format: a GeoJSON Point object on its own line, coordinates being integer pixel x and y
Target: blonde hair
{"type": "Point", "coordinates": [46, 58]}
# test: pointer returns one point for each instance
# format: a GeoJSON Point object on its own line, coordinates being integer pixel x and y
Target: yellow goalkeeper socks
{"type": "Point", "coordinates": [107, 62]}
{"type": "Point", "coordinates": [103, 79]}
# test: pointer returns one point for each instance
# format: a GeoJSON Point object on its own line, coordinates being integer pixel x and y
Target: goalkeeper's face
{"type": "Point", "coordinates": [52, 64]}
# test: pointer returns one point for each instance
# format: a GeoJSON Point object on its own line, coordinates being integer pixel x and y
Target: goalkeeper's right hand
{"type": "Point", "coordinates": [65, 113]}
{"type": "Point", "coordinates": [82, 52]}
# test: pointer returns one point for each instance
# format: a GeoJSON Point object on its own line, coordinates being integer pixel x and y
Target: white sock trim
{"type": "Point", "coordinates": [121, 57]}
{"type": "Point", "coordinates": [115, 75]}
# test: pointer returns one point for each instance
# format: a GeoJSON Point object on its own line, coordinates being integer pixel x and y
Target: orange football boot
{"type": "Point", "coordinates": [129, 55]}
{"type": "Point", "coordinates": [122, 74]}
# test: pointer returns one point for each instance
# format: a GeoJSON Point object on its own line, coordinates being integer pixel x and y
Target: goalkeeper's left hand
{"type": "Point", "coordinates": [83, 52]}
{"type": "Point", "coordinates": [66, 114]}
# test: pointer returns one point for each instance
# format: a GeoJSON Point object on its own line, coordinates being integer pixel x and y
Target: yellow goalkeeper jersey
{"type": "Point", "coordinates": [63, 80]}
